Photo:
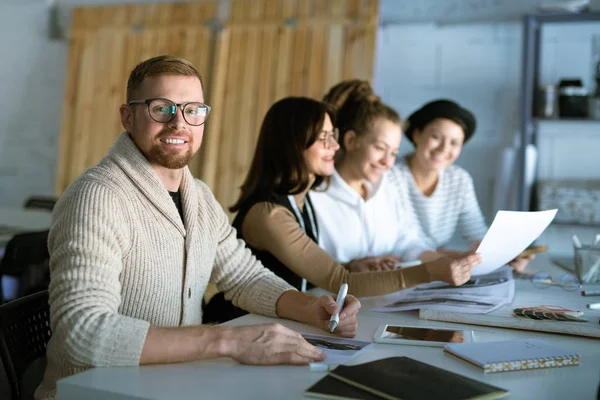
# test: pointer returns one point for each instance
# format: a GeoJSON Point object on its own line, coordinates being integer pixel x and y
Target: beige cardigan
{"type": "Point", "coordinates": [122, 260]}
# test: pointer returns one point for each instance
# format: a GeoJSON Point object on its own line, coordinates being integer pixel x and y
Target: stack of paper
{"type": "Point", "coordinates": [480, 295]}
{"type": "Point", "coordinates": [338, 350]}
{"type": "Point", "coordinates": [491, 284]}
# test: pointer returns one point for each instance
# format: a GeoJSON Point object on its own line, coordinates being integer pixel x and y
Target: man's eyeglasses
{"type": "Point", "coordinates": [164, 110]}
{"type": "Point", "coordinates": [543, 280]}
{"type": "Point", "coordinates": [329, 137]}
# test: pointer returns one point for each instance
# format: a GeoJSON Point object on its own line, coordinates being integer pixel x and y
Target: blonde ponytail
{"type": "Point", "coordinates": [358, 107]}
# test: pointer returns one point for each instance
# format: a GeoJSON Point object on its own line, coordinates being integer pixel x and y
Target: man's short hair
{"type": "Point", "coordinates": [157, 66]}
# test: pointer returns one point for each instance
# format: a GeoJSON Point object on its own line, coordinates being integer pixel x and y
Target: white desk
{"type": "Point", "coordinates": [20, 219]}
{"type": "Point", "coordinates": [225, 379]}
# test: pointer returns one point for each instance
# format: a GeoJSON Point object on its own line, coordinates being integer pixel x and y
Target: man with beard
{"type": "Point", "coordinates": [136, 239]}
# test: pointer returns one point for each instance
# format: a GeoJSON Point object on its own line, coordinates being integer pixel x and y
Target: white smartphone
{"type": "Point", "coordinates": [421, 336]}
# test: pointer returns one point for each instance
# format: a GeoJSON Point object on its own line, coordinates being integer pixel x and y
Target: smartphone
{"type": "Point", "coordinates": [532, 250]}
{"type": "Point", "coordinates": [421, 336]}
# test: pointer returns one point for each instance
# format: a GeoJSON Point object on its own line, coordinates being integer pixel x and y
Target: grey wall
{"type": "Point", "coordinates": [32, 74]}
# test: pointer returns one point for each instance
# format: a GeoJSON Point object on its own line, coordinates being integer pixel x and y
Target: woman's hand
{"type": "Point", "coordinates": [367, 264]}
{"type": "Point", "coordinates": [519, 264]}
{"type": "Point", "coordinates": [454, 271]}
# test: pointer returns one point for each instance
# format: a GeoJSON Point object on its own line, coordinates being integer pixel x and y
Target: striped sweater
{"type": "Point", "coordinates": [453, 205]}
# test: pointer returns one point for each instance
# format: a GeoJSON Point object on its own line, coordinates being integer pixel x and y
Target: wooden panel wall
{"type": "Point", "coordinates": [264, 51]}
{"type": "Point", "coordinates": [105, 44]}
{"type": "Point", "coordinates": [279, 48]}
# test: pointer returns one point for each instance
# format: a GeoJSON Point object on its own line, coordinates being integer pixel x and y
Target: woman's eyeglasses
{"type": "Point", "coordinates": [329, 137]}
{"type": "Point", "coordinates": [543, 280]}
{"type": "Point", "coordinates": [164, 110]}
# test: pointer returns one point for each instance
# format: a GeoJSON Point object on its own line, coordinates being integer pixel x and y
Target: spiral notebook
{"type": "Point", "coordinates": [513, 355]}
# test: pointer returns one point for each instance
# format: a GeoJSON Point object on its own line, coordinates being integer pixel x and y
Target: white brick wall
{"type": "Point", "coordinates": [567, 52]}
{"type": "Point", "coordinates": [479, 65]}
{"type": "Point", "coordinates": [32, 70]}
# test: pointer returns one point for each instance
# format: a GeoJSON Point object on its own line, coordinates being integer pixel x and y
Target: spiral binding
{"type": "Point", "coordinates": [536, 363]}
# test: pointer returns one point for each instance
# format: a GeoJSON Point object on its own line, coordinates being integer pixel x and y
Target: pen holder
{"type": "Point", "coordinates": [587, 263]}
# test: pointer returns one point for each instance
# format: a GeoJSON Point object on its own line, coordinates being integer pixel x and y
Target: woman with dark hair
{"type": "Point", "coordinates": [362, 224]}
{"type": "Point", "coordinates": [294, 152]}
{"type": "Point", "coordinates": [437, 194]}
{"type": "Point", "coordinates": [276, 218]}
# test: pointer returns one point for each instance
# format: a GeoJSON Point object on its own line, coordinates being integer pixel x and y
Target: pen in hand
{"type": "Point", "coordinates": [341, 298]}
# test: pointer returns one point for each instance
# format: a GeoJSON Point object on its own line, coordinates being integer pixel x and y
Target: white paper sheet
{"type": "Point", "coordinates": [338, 350]}
{"type": "Point", "coordinates": [464, 304]}
{"type": "Point", "coordinates": [510, 234]}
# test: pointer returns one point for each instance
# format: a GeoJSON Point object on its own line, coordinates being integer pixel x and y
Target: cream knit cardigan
{"type": "Point", "coordinates": [122, 260]}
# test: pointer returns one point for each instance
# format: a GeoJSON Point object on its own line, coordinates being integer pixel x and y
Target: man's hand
{"type": "Point", "coordinates": [454, 271]}
{"type": "Point", "coordinates": [269, 344]}
{"type": "Point", "coordinates": [325, 307]}
{"type": "Point", "coordinates": [381, 263]}
{"type": "Point", "coordinates": [317, 311]}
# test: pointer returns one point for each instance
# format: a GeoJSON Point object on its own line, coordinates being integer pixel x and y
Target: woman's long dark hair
{"type": "Point", "coordinates": [291, 126]}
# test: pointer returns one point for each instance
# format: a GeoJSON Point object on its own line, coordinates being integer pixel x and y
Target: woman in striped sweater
{"type": "Point", "coordinates": [433, 191]}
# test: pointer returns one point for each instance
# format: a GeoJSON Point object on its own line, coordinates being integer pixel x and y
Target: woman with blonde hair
{"type": "Point", "coordinates": [360, 216]}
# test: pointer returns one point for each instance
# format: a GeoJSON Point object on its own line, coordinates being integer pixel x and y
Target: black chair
{"type": "Point", "coordinates": [219, 310]}
{"type": "Point", "coordinates": [41, 202]}
{"type": "Point", "coordinates": [24, 334]}
{"type": "Point", "coordinates": [26, 257]}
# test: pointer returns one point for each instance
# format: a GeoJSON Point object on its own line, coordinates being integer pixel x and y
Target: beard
{"type": "Point", "coordinates": [169, 159]}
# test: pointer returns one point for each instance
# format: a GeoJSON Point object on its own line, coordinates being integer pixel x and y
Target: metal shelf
{"type": "Point", "coordinates": [583, 224]}
{"type": "Point", "coordinates": [562, 17]}
{"type": "Point", "coordinates": [582, 120]}
{"type": "Point", "coordinates": [529, 81]}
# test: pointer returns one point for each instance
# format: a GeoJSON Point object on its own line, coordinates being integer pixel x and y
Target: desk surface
{"type": "Point", "coordinates": [225, 379]}
{"type": "Point", "coordinates": [14, 220]}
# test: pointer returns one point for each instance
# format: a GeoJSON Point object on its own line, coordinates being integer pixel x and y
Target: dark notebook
{"type": "Point", "coordinates": [331, 388]}
{"type": "Point", "coordinates": [401, 378]}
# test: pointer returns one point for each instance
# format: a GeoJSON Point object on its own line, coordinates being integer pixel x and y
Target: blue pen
{"type": "Point", "coordinates": [341, 298]}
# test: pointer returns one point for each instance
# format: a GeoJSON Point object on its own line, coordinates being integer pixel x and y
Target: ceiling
{"type": "Point", "coordinates": [454, 11]}
{"type": "Point", "coordinates": [394, 11]}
